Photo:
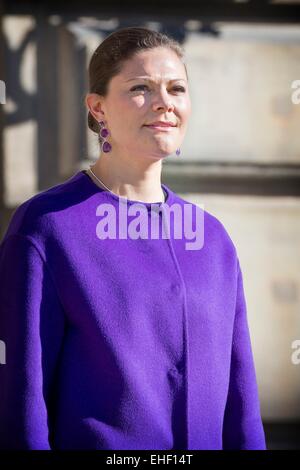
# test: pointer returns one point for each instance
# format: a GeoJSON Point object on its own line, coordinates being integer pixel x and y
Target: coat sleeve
{"type": "Point", "coordinates": [242, 426]}
{"type": "Point", "coordinates": [32, 326]}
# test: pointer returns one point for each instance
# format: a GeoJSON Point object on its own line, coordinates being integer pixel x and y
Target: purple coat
{"type": "Point", "coordinates": [122, 343]}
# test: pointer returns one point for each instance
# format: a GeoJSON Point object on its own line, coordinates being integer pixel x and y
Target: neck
{"type": "Point", "coordinates": [127, 180]}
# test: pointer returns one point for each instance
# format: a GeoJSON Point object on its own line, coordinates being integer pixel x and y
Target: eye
{"type": "Point", "coordinates": [138, 87]}
{"type": "Point", "coordinates": [177, 88]}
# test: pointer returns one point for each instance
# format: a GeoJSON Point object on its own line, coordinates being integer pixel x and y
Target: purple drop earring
{"type": "Point", "coordinates": [178, 151]}
{"type": "Point", "coordinates": [104, 132]}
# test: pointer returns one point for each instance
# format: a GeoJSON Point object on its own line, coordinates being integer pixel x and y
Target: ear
{"type": "Point", "coordinates": [94, 105]}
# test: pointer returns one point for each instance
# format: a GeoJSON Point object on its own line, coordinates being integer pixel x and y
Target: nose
{"type": "Point", "coordinates": [163, 102]}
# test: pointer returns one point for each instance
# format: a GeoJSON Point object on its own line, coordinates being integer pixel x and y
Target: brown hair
{"type": "Point", "coordinates": [107, 60]}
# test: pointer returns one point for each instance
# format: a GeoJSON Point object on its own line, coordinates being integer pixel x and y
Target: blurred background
{"type": "Point", "coordinates": [240, 157]}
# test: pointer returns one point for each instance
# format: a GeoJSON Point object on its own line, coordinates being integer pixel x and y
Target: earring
{"type": "Point", "coordinates": [104, 132]}
{"type": "Point", "coordinates": [178, 151]}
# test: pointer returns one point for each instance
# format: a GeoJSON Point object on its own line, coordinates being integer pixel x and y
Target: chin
{"type": "Point", "coordinates": [165, 153]}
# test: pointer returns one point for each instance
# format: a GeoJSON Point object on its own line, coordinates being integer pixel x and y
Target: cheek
{"type": "Point", "coordinates": [121, 116]}
{"type": "Point", "coordinates": [136, 110]}
{"type": "Point", "coordinates": [139, 103]}
{"type": "Point", "coordinates": [127, 122]}
{"type": "Point", "coordinates": [131, 108]}
{"type": "Point", "coordinates": [185, 107]}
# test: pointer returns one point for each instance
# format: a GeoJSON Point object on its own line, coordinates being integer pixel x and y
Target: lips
{"type": "Point", "coordinates": [161, 124]}
{"type": "Point", "coordinates": [161, 128]}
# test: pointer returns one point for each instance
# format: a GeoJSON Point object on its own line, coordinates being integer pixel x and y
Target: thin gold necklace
{"type": "Point", "coordinates": [101, 182]}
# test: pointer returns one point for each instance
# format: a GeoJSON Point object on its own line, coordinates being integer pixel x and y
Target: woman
{"type": "Point", "coordinates": [125, 342]}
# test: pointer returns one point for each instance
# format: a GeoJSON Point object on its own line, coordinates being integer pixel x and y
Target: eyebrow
{"type": "Point", "coordinates": [150, 80]}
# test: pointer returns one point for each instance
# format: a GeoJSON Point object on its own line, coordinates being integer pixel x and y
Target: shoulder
{"type": "Point", "coordinates": [216, 236]}
{"type": "Point", "coordinates": [38, 215]}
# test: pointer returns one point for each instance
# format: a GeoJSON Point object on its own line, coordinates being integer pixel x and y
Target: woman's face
{"type": "Point", "coordinates": [132, 102]}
